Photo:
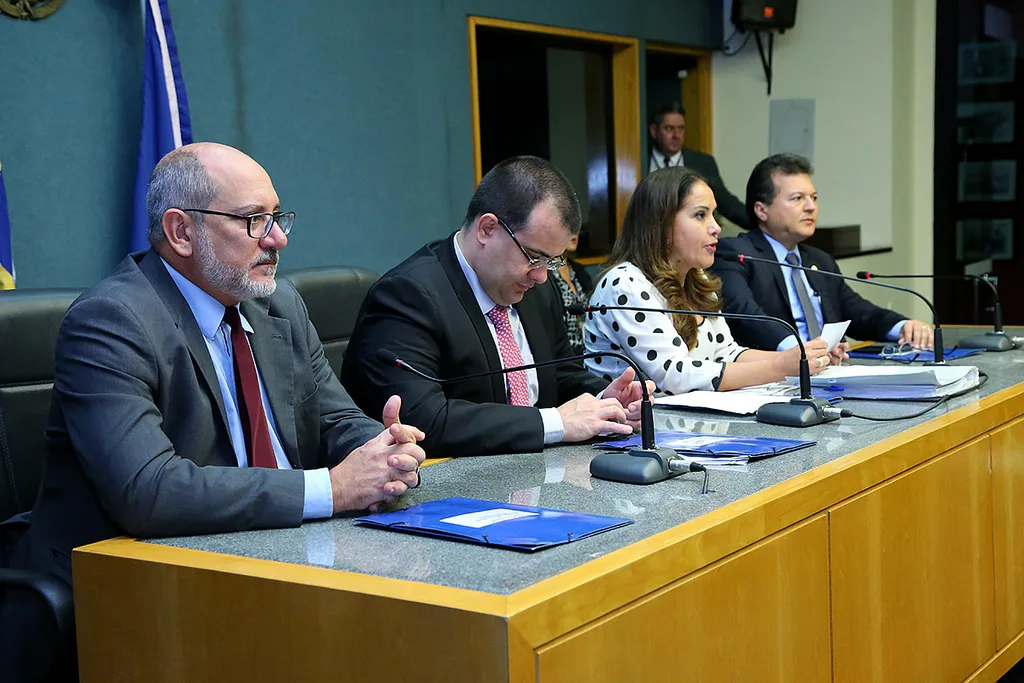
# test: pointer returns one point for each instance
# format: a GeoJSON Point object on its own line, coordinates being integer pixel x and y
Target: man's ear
{"type": "Point", "coordinates": [486, 225]}
{"type": "Point", "coordinates": [179, 231]}
{"type": "Point", "coordinates": [652, 130]}
{"type": "Point", "coordinates": [761, 211]}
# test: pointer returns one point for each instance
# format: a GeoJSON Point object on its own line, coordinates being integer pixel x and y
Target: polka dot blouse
{"type": "Point", "coordinates": [650, 339]}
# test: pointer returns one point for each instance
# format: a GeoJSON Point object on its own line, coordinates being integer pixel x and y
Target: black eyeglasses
{"type": "Point", "coordinates": [258, 225]}
{"type": "Point", "coordinates": [534, 263]}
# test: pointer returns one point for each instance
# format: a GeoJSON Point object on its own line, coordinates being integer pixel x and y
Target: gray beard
{"type": "Point", "coordinates": [233, 282]}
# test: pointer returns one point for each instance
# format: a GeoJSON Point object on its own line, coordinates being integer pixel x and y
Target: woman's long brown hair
{"type": "Point", "coordinates": [646, 241]}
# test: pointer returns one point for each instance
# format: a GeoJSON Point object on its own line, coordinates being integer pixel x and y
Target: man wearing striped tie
{"type": "Point", "coordinates": [478, 301]}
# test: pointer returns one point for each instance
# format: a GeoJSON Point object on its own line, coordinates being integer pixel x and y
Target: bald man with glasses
{"type": "Point", "coordinates": [191, 394]}
{"type": "Point", "coordinates": [480, 300]}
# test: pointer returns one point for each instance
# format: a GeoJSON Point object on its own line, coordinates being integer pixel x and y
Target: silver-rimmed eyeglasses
{"type": "Point", "coordinates": [552, 262]}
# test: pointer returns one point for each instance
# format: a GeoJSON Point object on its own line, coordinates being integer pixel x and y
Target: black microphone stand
{"type": "Point", "coordinates": [995, 340]}
{"type": "Point", "coordinates": [648, 464]}
{"type": "Point", "coordinates": [805, 411]}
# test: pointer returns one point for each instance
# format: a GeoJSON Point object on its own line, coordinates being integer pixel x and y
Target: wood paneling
{"type": "Point", "coordinates": [1008, 529]}
{"type": "Point", "coordinates": [760, 615]}
{"type": "Point", "coordinates": [155, 619]}
{"type": "Point", "coordinates": [912, 582]}
{"type": "Point", "coordinates": [626, 108]}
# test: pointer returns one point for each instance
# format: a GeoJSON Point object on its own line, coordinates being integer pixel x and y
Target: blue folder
{"type": "Point", "coordinates": [872, 352]}
{"type": "Point", "coordinates": [501, 525]}
{"type": "Point", "coordinates": [689, 443]}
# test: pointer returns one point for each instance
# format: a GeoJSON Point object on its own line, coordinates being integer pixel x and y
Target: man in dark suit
{"type": "Point", "coordinates": [480, 300]}
{"type": "Point", "coordinates": [668, 130]}
{"type": "Point", "coordinates": [783, 204]}
{"type": "Point", "coordinates": [191, 393]}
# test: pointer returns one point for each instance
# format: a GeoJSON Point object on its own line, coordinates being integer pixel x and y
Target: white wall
{"type": "Point", "coordinates": [869, 66]}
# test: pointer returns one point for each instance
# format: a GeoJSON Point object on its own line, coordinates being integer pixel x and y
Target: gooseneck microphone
{"type": "Point", "coordinates": [996, 340]}
{"type": "Point", "coordinates": [799, 412]}
{"type": "Point", "coordinates": [645, 465]}
{"type": "Point", "coordinates": [940, 358]}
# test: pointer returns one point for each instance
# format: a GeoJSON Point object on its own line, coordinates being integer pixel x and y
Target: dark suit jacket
{"type": "Point", "coordinates": [137, 439]}
{"type": "Point", "coordinates": [758, 288]}
{"type": "Point", "coordinates": [424, 312]}
{"type": "Point", "coordinates": [728, 204]}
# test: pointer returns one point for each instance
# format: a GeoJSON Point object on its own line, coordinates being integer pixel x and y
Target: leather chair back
{"type": "Point", "coordinates": [29, 321]}
{"type": "Point", "coordinates": [333, 296]}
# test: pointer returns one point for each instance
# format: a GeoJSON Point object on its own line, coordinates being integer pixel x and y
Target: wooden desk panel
{"type": "Point", "coordinates": [912, 574]}
{"type": "Point", "coordinates": [760, 615]}
{"type": "Point", "coordinates": [167, 615]}
{"type": "Point", "coordinates": [1008, 529]}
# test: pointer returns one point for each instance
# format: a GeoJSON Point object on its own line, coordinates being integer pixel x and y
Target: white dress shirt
{"type": "Point", "coordinates": [553, 427]}
{"type": "Point", "coordinates": [659, 160]}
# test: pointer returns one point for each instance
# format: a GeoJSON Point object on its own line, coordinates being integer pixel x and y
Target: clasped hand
{"type": "Point", "coordinates": [382, 469]}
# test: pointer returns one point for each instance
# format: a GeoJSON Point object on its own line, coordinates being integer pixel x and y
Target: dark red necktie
{"type": "Point", "coordinates": [250, 404]}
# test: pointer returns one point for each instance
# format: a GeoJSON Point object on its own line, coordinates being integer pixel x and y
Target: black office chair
{"type": "Point", "coordinates": [333, 296]}
{"type": "Point", "coordinates": [29, 321]}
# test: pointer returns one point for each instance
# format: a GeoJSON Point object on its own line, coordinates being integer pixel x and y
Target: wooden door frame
{"type": "Point", "coordinates": [625, 97]}
{"type": "Point", "coordinates": [703, 140]}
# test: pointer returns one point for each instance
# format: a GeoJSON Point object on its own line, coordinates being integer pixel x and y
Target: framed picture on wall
{"type": "Point", "coordinates": [984, 238]}
{"type": "Point", "coordinates": [984, 122]}
{"type": "Point", "coordinates": [988, 62]}
{"type": "Point", "coordinates": [987, 181]}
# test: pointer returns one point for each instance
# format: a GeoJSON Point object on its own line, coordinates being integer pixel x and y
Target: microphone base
{"type": "Point", "coordinates": [990, 341]}
{"type": "Point", "coordinates": [637, 466]}
{"type": "Point", "coordinates": [799, 412]}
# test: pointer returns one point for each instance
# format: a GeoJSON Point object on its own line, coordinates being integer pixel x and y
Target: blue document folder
{"type": "Point", "coordinates": [723, 445]}
{"type": "Point", "coordinates": [873, 352]}
{"type": "Point", "coordinates": [502, 525]}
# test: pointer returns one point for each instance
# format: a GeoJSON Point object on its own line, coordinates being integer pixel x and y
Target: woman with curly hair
{"type": "Point", "coordinates": [667, 241]}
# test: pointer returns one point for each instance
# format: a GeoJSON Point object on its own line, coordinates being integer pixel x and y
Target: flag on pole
{"type": "Point", "coordinates": [6, 256]}
{"type": "Point", "coordinates": [165, 120]}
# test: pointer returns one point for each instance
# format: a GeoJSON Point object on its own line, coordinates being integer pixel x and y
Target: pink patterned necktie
{"type": "Point", "coordinates": [518, 394]}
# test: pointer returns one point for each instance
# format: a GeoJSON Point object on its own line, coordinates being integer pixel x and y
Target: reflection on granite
{"type": "Point", "coordinates": [559, 478]}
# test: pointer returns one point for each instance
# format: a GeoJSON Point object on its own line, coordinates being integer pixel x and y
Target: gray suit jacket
{"type": "Point", "coordinates": [137, 437]}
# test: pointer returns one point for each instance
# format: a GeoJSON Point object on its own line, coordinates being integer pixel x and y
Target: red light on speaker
{"type": "Point", "coordinates": [769, 12]}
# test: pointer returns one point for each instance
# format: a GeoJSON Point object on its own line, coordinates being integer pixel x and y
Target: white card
{"type": "Point", "coordinates": [833, 333]}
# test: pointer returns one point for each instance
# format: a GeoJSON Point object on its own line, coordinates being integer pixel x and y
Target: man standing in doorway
{"type": "Point", "coordinates": [668, 131]}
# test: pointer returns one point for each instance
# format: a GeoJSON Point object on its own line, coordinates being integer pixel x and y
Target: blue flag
{"type": "Point", "coordinates": [165, 121]}
{"type": "Point", "coordinates": [6, 255]}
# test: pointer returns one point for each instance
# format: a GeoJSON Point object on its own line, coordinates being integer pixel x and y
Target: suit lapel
{"type": "Point", "coordinates": [271, 342]}
{"type": "Point", "coordinates": [453, 270]}
{"type": "Point", "coordinates": [531, 315]}
{"type": "Point", "coordinates": [153, 268]}
{"type": "Point", "coordinates": [765, 251]}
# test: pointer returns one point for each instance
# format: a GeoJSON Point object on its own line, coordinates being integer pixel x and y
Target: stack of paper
{"type": "Point", "coordinates": [893, 382]}
{"type": "Point", "coordinates": [738, 402]}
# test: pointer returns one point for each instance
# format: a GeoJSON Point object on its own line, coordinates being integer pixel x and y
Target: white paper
{"type": "Point", "coordinates": [833, 333]}
{"type": "Point", "coordinates": [478, 520]}
{"type": "Point", "coordinates": [733, 402]}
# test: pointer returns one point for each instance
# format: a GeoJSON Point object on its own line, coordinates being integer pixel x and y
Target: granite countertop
{"type": "Point", "coordinates": [560, 478]}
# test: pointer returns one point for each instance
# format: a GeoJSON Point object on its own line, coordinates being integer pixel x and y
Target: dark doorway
{"type": "Point", "coordinates": [979, 142]}
{"type": "Point", "coordinates": [551, 96]}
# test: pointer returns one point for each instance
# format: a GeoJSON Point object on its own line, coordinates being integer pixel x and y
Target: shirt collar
{"type": "Point", "coordinates": [208, 312]}
{"type": "Point", "coordinates": [781, 251]}
{"type": "Point", "coordinates": [482, 300]}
